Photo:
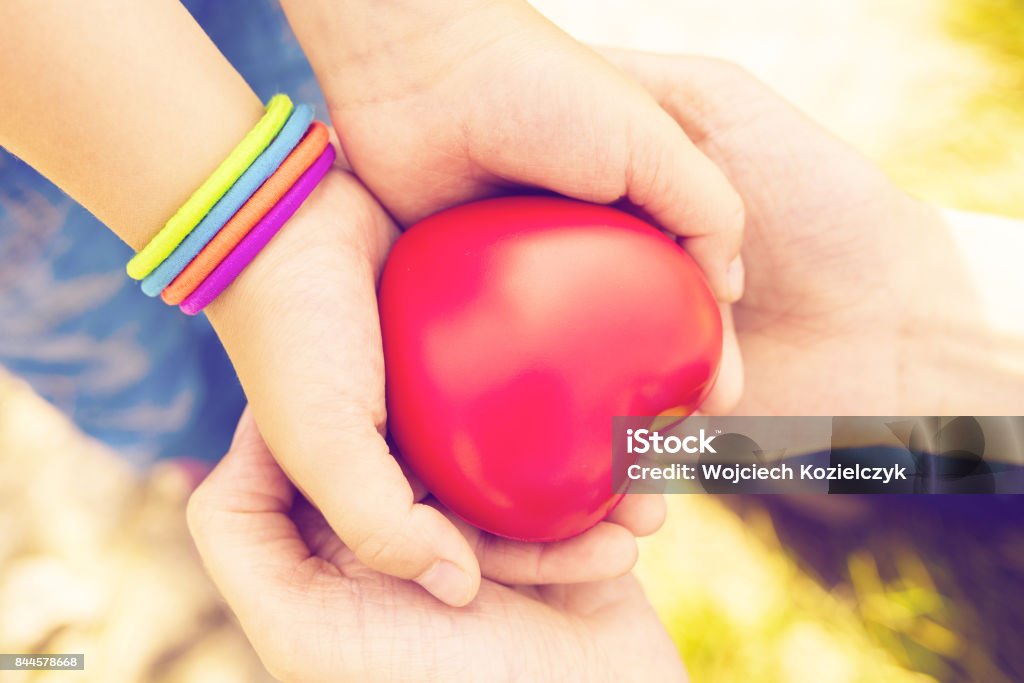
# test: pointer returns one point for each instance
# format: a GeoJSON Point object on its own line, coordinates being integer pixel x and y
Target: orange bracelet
{"type": "Point", "coordinates": [262, 201]}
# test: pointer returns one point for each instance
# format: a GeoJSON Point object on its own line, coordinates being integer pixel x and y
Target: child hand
{"type": "Point", "coordinates": [440, 103]}
{"type": "Point", "coordinates": [301, 327]}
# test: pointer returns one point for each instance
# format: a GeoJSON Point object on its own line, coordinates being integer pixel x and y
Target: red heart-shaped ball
{"type": "Point", "coordinates": [515, 329]}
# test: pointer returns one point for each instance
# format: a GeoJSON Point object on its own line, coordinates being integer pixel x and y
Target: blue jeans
{"type": "Point", "coordinates": [129, 370]}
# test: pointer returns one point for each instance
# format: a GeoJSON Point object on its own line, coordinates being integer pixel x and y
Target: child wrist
{"type": "Point", "coordinates": [235, 213]}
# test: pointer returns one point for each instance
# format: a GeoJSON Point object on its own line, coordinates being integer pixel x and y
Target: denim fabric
{"type": "Point", "coordinates": [129, 370]}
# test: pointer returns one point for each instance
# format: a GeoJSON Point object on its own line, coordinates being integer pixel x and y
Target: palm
{"type": "Point", "coordinates": [498, 98]}
{"type": "Point", "coordinates": [818, 280]}
{"type": "Point", "coordinates": [488, 639]}
{"type": "Point", "coordinates": [831, 246]}
{"type": "Point", "coordinates": [316, 604]}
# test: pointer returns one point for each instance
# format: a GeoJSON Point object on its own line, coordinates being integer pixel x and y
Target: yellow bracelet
{"type": "Point", "coordinates": [185, 219]}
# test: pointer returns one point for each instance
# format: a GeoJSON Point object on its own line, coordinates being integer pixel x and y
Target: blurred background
{"type": "Point", "coordinates": [95, 557]}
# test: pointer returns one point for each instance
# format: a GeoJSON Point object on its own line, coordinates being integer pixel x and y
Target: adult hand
{"type": "Point", "coordinates": [858, 299]}
{"type": "Point", "coordinates": [314, 612]}
{"type": "Point", "coordinates": [437, 103]}
{"type": "Point", "coordinates": [301, 327]}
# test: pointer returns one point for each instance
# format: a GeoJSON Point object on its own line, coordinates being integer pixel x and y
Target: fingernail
{"type": "Point", "coordinates": [735, 276]}
{"type": "Point", "coordinates": [446, 582]}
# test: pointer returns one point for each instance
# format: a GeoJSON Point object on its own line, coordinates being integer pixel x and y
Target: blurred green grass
{"type": "Point", "coordinates": [972, 156]}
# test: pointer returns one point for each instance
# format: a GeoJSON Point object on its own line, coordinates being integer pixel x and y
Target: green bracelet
{"type": "Point", "coordinates": [185, 219]}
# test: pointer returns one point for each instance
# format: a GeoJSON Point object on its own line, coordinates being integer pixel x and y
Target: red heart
{"type": "Point", "coordinates": [514, 330]}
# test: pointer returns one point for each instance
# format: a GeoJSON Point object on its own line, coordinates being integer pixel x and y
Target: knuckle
{"type": "Point", "coordinates": [382, 549]}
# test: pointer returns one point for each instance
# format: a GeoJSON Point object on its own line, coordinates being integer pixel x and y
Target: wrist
{"type": "Point", "coordinates": [332, 231]}
{"type": "Point", "coordinates": [961, 339]}
{"type": "Point", "coordinates": [395, 45]}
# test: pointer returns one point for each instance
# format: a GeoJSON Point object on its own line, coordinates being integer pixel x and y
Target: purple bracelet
{"type": "Point", "coordinates": [261, 234]}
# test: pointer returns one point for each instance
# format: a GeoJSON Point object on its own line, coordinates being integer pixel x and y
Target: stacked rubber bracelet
{"type": "Point", "coordinates": [233, 215]}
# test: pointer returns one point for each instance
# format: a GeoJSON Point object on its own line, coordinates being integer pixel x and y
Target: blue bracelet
{"type": "Point", "coordinates": [250, 181]}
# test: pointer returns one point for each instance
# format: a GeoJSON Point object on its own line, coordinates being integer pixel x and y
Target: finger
{"type": "Point", "coordinates": [714, 101]}
{"type": "Point", "coordinates": [675, 180]}
{"type": "Point", "coordinates": [306, 344]}
{"type": "Point", "coordinates": [239, 521]}
{"type": "Point", "coordinates": [630, 149]}
{"type": "Point", "coordinates": [688, 195]}
{"type": "Point", "coordinates": [728, 388]}
{"type": "Point", "coordinates": [705, 87]}
{"type": "Point", "coordinates": [378, 519]}
{"type": "Point", "coordinates": [604, 551]}
{"type": "Point", "coordinates": [240, 518]}
{"type": "Point", "coordinates": [640, 514]}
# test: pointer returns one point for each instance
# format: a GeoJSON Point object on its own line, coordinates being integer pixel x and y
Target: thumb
{"type": "Point", "coordinates": [302, 331]}
{"type": "Point", "coordinates": [364, 495]}
{"type": "Point", "coordinates": [686, 193]}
